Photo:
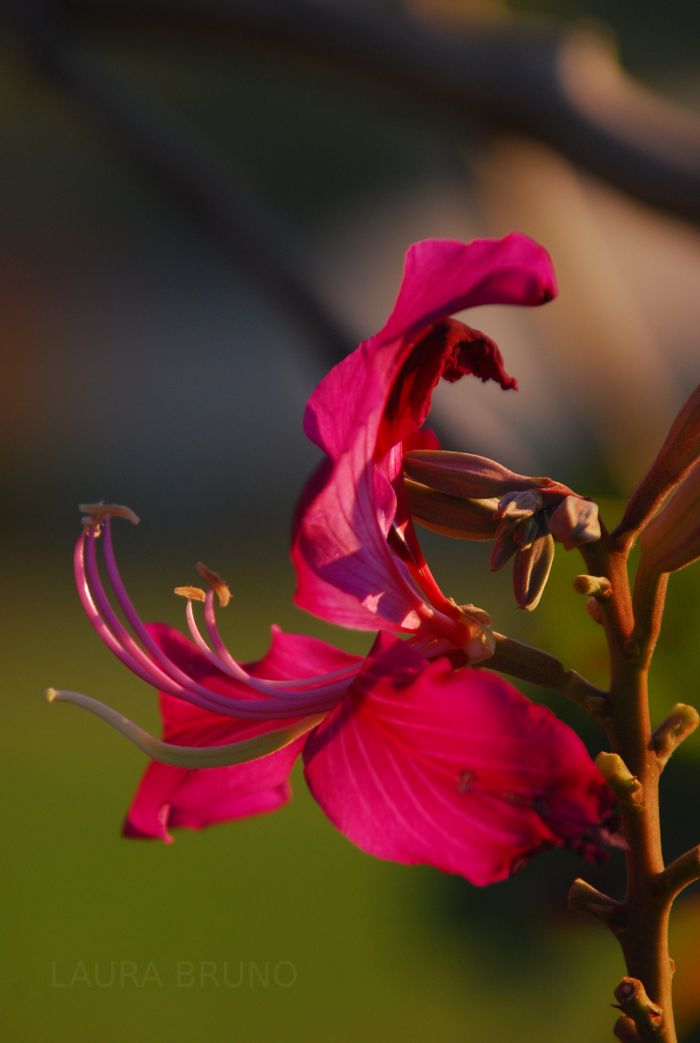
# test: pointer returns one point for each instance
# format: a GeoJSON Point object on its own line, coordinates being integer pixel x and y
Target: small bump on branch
{"type": "Point", "coordinates": [584, 898]}
{"type": "Point", "coordinates": [593, 586]}
{"type": "Point", "coordinates": [626, 786]}
{"type": "Point", "coordinates": [634, 1002]}
{"type": "Point", "coordinates": [680, 723]}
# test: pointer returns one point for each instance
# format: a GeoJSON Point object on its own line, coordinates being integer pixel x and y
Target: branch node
{"type": "Point", "coordinates": [632, 648]}
{"type": "Point", "coordinates": [634, 1002]}
{"type": "Point", "coordinates": [680, 723]}
{"type": "Point", "coordinates": [594, 610]}
{"type": "Point", "coordinates": [598, 706]}
{"type": "Point", "coordinates": [598, 587]}
{"type": "Point", "coordinates": [626, 1030]}
{"type": "Point", "coordinates": [626, 786]}
{"type": "Point", "coordinates": [684, 871]}
{"type": "Point", "coordinates": [584, 898]}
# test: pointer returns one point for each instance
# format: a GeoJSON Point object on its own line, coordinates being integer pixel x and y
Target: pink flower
{"type": "Point", "coordinates": [356, 555]}
{"type": "Point", "coordinates": [412, 760]}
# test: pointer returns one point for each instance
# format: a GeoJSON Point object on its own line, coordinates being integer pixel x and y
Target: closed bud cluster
{"type": "Point", "coordinates": [473, 498]}
{"type": "Point", "coordinates": [460, 518]}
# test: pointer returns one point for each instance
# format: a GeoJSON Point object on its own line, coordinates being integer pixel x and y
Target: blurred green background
{"type": "Point", "coordinates": [143, 365]}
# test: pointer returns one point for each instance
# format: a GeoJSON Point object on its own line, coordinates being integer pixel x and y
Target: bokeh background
{"type": "Point", "coordinates": [196, 220]}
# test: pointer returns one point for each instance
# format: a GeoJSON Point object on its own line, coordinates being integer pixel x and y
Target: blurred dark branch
{"type": "Point", "coordinates": [212, 188]}
{"type": "Point", "coordinates": [562, 87]}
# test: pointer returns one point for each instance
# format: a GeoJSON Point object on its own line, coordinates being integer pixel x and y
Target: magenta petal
{"type": "Point", "coordinates": [378, 397]}
{"type": "Point", "coordinates": [441, 277]}
{"type": "Point", "coordinates": [454, 769]}
{"type": "Point", "coordinates": [297, 655]}
{"type": "Point", "coordinates": [175, 797]}
{"type": "Point", "coordinates": [170, 797]}
{"type": "Point", "coordinates": [345, 569]}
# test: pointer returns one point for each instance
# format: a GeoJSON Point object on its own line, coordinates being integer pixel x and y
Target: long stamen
{"type": "Point", "coordinates": [95, 601]}
{"type": "Point", "coordinates": [155, 667]}
{"type": "Point", "coordinates": [87, 600]}
{"type": "Point", "coordinates": [283, 687]}
{"type": "Point", "coordinates": [188, 756]}
{"type": "Point", "coordinates": [238, 671]}
{"type": "Point", "coordinates": [241, 674]}
{"type": "Point", "coordinates": [134, 619]}
{"type": "Point", "coordinates": [119, 641]}
{"type": "Point", "coordinates": [137, 624]}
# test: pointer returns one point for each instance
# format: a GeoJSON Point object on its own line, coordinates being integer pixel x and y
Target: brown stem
{"type": "Point", "coordinates": [644, 937]}
{"type": "Point", "coordinates": [649, 598]}
{"type": "Point", "coordinates": [679, 874]}
{"type": "Point", "coordinates": [532, 664]}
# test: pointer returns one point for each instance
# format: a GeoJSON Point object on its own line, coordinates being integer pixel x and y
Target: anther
{"type": "Point", "coordinates": [95, 513]}
{"type": "Point", "coordinates": [191, 593]}
{"type": "Point", "coordinates": [217, 584]}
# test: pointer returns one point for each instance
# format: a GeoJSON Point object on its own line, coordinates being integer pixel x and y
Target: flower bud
{"type": "Point", "coordinates": [462, 474]}
{"type": "Point", "coordinates": [671, 540]}
{"type": "Point", "coordinates": [463, 519]}
{"type": "Point", "coordinates": [531, 571]}
{"type": "Point", "coordinates": [504, 547]}
{"type": "Point", "coordinates": [519, 505]}
{"type": "Point", "coordinates": [526, 531]}
{"type": "Point", "coordinates": [575, 521]}
{"type": "Point", "coordinates": [678, 454]}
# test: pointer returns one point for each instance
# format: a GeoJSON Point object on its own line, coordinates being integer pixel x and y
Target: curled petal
{"type": "Point", "coordinates": [441, 277]}
{"type": "Point", "coordinates": [455, 769]}
{"type": "Point", "coordinates": [375, 400]}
